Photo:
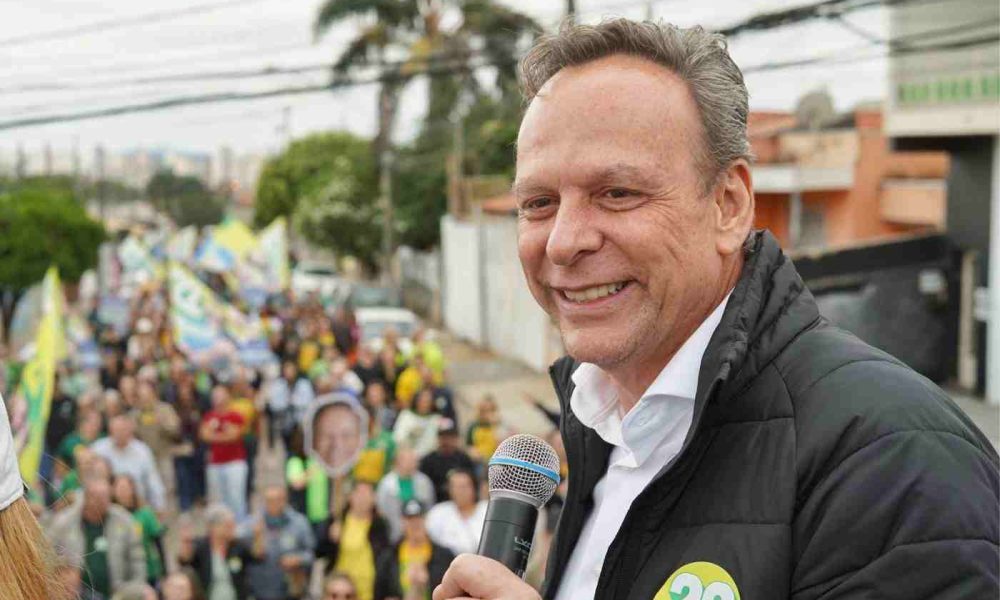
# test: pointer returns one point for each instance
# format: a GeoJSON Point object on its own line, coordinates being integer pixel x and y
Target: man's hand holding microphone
{"type": "Point", "coordinates": [523, 475]}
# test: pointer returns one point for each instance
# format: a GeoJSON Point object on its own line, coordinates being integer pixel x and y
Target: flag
{"type": "Point", "coordinates": [273, 250]}
{"type": "Point", "coordinates": [33, 399]}
{"type": "Point", "coordinates": [234, 236]}
{"type": "Point", "coordinates": [180, 246]}
{"type": "Point", "coordinates": [213, 256]}
{"type": "Point", "coordinates": [195, 317]}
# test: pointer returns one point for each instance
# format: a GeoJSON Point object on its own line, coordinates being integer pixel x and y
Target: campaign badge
{"type": "Point", "coordinates": [699, 581]}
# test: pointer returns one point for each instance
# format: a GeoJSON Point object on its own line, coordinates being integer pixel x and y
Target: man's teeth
{"type": "Point", "coordinates": [594, 293]}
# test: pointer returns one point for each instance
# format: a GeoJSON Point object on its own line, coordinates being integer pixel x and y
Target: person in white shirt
{"type": "Point", "coordinates": [457, 523]}
{"type": "Point", "coordinates": [628, 248]}
{"type": "Point", "coordinates": [129, 456]}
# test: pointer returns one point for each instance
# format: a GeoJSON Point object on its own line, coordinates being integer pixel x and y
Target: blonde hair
{"type": "Point", "coordinates": [28, 566]}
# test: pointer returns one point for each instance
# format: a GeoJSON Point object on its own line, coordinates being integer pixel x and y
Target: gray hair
{"type": "Point", "coordinates": [217, 513]}
{"type": "Point", "coordinates": [699, 57]}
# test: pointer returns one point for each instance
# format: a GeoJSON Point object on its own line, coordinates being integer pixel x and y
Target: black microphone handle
{"type": "Point", "coordinates": [508, 532]}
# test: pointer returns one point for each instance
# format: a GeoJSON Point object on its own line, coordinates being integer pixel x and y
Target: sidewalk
{"type": "Point", "coordinates": [474, 372]}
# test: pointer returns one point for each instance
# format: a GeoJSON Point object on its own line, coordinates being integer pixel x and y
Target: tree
{"type": "Point", "coordinates": [41, 224]}
{"type": "Point", "coordinates": [411, 29]}
{"type": "Point", "coordinates": [185, 199]}
{"type": "Point", "coordinates": [326, 184]}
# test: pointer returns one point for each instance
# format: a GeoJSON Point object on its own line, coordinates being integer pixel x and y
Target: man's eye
{"type": "Point", "coordinates": [618, 193]}
{"type": "Point", "coordinates": [536, 203]}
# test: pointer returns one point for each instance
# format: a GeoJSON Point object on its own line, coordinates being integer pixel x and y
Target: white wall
{"type": "Point", "coordinates": [460, 296]}
{"type": "Point", "coordinates": [515, 326]}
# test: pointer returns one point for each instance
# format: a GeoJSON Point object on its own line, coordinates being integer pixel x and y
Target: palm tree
{"type": "Point", "coordinates": [404, 38]}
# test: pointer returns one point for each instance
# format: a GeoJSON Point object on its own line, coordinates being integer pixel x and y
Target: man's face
{"type": "Point", "coordinates": [97, 495]}
{"type": "Point", "coordinates": [275, 501]}
{"type": "Point", "coordinates": [120, 430]}
{"type": "Point", "coordinates": [414, 528]}
{"type": "Point", "coordinates": [337, 435]}
{"type": "Point", "coordinates": [616, 234]}
{"type": "Point", "coordinates": [224, 529]}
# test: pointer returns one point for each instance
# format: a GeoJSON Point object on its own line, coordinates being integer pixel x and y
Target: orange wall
{"type": "Point", "coordinates": [772, 213]}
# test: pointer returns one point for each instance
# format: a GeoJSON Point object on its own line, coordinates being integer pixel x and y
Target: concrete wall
{"type": "Point", "coordinates": [485, 297]}
{"type": "Point", "coordinates": [516, 326]}
{"type": "Point", "coordinates": [461, 293]}
{"type": "Point", "coordinates": [420, 279]}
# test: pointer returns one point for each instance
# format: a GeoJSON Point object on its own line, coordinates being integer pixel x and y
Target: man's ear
{"type": "Point", "coordinates": [734, 207]}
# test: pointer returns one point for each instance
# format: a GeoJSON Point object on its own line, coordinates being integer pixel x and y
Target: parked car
{"type": "Point", "coordinates": [315, 277]}
{"type": "Point", "coordinates": [374, 321]}
{"type": "Point", "coordinates": [373, 296]}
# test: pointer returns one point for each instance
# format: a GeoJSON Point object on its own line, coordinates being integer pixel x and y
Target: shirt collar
{"type": "Point", "coordinates": [660, 408]}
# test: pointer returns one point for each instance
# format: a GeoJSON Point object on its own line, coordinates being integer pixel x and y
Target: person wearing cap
{"type": "Point", "coordinates": [402, 484]}
{"type": "Point", "coordinates": [448, 457]}
{"type": "Point", "coordinates": [411, 569]}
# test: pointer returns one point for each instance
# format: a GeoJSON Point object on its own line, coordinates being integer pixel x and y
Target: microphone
{"type": "Point", "coordinates": [523, 475]}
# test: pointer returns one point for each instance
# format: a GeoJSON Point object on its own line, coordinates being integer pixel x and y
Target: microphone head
{"type": "Point", "coordinates": [526, 467]}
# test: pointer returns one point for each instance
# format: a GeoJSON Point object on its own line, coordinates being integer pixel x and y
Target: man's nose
{"type": "Point", "coordinates": [574, 233]}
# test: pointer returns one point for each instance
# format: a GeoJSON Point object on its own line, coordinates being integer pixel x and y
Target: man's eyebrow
{"type": "Point", "coordinates": [528, 187]}
{"type": "Point", "coordinates": [619, 172]}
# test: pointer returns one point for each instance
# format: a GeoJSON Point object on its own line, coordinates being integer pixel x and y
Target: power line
{"type": "Point", "coordinates": [111, 24]}
{"type": "Point", "coordinates": [238, 96]}
{"type": "Point", "coordinates": [172, 78]}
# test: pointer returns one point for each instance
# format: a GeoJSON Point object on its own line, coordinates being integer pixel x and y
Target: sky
{"type": "Point", "coordinates": [54, 42]}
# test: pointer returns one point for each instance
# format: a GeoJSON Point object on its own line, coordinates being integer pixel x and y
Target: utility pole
{"type": "Point", "coordinates": [388, 218]}
{"type": "Point", "coordinates": [571, 10]}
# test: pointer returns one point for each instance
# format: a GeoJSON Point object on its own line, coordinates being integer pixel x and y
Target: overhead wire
{"type": "Point", "coordinates": [754, 23]}
{"type": "Point", "coordinates": [154, 17]}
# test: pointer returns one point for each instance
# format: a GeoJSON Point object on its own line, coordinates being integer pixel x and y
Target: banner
{"type": "Point", "coordinates": [249, 335]}
{"type": "Point", "coordinates": [181, 245]}
{"type": "Point", "coordinates": [32, 402]}
{"type": "Point", "coordinates": [212, 256]}
{"type": "Point", "coordinates": [273, 250]}
{"type": "Point", "coordinates": [195, 317]}
{"type": "Point", "coordinates": [139, 267]}
{"type": "Point", "coordinates": [235, 237]}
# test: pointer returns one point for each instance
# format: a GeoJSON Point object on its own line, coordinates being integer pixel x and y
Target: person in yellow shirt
{"type": "Point", "coordinates": [352, 542]}
{"type": "Point", "coordinates": [415, 566]}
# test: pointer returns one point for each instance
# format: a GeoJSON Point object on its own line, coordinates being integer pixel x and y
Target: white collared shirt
{"type": "Point", "coordinates": [648, 437]}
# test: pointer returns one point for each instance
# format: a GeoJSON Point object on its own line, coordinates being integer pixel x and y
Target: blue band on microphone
{"type": "Point", "coordinates": [513, 462]}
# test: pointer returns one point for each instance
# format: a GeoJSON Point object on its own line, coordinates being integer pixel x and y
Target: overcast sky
{"type": "Point", "coordinates": [259, 33]}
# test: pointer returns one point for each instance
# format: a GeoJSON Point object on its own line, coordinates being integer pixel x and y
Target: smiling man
{"type": "Point", "coordinates": [724, 441]}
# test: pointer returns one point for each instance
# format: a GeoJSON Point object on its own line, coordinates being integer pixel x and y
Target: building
{"type": "Point", "coordinates": [836, 182]}
{"type": "Point", "coordinates": [944, 74]}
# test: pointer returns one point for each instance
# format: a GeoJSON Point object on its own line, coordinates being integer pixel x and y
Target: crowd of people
{"type": "Point", "coordinates": [159, 479]}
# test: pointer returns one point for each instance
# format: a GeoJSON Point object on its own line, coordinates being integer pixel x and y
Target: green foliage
{"type": "Point", "coordinates": [185, 199]}
{"type": "Point", "coordinates": [41, 224]}
{"type": "Point", "coordinates": [326, 183]}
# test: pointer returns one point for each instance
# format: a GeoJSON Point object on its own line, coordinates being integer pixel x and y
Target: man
{"type": "Point", "coordinates": [220, 559]}
{"type": "Point", "coordinates": [448, 456]}
{"type": "Point", "coordinates": [226, 473]}
{"type": "Point", "coordinates": [283, 547]}
{"type": "Point", "coordinates": [724, 441]}
{"type": "Point", "coordinates": [157, 425]}
{"type": "Point", "coordinates": [414, 566]}
{"type": "Point", "coordinates": [399, 486]}
{"type": "Point", "coordinates": [336, 435]}
{"type": "Point", "coordinates": [129, 456]}
{"type": "Point", "coordinates": [102, 537]}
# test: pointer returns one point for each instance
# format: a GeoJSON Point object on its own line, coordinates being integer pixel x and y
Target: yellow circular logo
{"type": "Point", "coordinates": [699, 581]}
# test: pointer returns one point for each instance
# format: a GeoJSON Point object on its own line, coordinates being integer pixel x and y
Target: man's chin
{"type": "Point", "coordinates": [596, 347]}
